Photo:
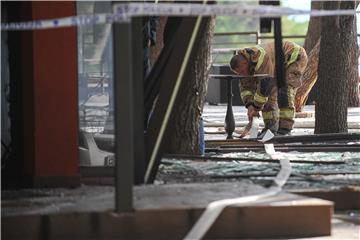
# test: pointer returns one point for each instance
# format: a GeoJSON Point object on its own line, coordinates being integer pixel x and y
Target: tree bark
{"type": "Point", "coordinates": [159, 44]}
{"type": "Point", "coordinates": [309, 87]}
{"type": "Point", "coordinates": [309, 78]}
{"type": "Point", "coordinates": [183, 130]}
{"type": "Point", "coordinates": [354, 91]}
{"type": "Point", "coordinates": [314, 29]}
{"type": "Point", "coordinates": [354, 94]}
{"type": "Point", "coordinates": [334, 71]}
{"type": "Point", "coordinates": [312, 38]}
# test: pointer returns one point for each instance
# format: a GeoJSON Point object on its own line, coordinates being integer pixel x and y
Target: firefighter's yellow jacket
{"type": "Point", "coordinates": [262, 61]}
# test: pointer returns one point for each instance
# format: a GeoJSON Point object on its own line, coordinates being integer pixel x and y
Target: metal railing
{"type": "Point", "coordinates": [229, 46]}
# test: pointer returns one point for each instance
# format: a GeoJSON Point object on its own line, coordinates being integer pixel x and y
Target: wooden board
{"type": "Point", "coordinates": [169, 212]}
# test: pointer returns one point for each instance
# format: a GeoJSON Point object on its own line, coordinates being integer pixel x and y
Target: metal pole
{"type": "Point", "coordinates": [328, 137]}
{"type": "Point", "coordinates": [229, 118]}
{"type": "Point", "coordinates": [124, 116]}
{"type": "Point", "coordinates": [279, 54]}
{"type": "Point", "coordinates": [138, 96]}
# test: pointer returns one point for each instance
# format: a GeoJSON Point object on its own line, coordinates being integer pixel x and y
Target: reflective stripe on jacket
{"type": "Point", "coordinates": [294, 55]}
{"type": "Point", "coordinates": [263, 58]}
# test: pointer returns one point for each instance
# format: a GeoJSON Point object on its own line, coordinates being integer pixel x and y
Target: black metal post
{"type": "Point", "coordinates": [266, 23]}
{"type": "Point", "coordinates": [229, 118]}
{"type": "Point", "coordinates": [279, 54]}
{"type": "Point", "coordinates": [124, 117]}
{"type": "Point", "coordinates": [138, 98]}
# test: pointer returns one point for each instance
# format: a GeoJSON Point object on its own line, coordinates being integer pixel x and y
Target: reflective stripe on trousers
{"type": "Point", "coordinates": [287, 113]}
{"type": "Point", "coordinates": [245, 93]}
{"type": "Point", "coordinates": [260, 99]}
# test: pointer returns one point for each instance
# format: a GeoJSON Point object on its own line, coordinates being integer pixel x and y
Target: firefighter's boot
{"type": "Point", "coordinates": [283, 132]}
{"type": "Point", "coordinates": [271, 125]}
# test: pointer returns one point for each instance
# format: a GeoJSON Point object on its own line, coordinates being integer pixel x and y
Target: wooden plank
{"type": "Point", "coordinates": [304, 115]}
{"type": "Point", "coordinates": [295, 217]}
{"type": "Point", "coordinates": [344, 199]}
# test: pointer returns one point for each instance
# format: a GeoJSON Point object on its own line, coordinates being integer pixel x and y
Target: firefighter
{"type": "Point", "coordinates": [262, 94]}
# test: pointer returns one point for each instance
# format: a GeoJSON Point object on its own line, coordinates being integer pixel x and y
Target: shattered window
{"type": "Point", "coordinates": [95, 91]}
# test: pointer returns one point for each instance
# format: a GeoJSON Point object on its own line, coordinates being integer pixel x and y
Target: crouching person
{"type": "Point", "coordinates": [262, 94]}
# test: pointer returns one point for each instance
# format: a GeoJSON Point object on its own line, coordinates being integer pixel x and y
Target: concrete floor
{"type": "Point", "coordinates": [101, 198]}
{"type": "Point", "coordinates": [342, 229]}
{"type": "Point", "coordinates": [31, 202]}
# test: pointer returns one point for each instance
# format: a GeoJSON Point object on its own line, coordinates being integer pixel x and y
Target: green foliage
{"type": "Point", "coordinates": [248, 24]}
{"type": "Point", "coordinates": [243, 24]}
{"type": "Point", "coordinates": [292, 27]}
{"type": "Point", "coordinates": [235, 24]}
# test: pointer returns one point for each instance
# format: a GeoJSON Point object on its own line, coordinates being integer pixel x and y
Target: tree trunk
{"type": "Point", "coordinates": [183, 130]}
{"type": "Point", "coordinates": [309, 87]}
{"type": "Point", "coordinates": [309, 78]}
{"type": "Point", "coordinates": [312, 38]}
{"type": "Point", "coordinates": [354, 91]}
{"type": "Point", "coordinates": [314, 29]}
{"type": "Point", "coordinates": [354, 94]}
{"type": "Point", "coordinates": [159, 44]}
{"type": "Point", "coordinates": [334, 71]}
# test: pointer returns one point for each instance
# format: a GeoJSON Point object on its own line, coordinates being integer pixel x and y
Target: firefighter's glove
{"type": "Point", "coordinates": [252, 112]}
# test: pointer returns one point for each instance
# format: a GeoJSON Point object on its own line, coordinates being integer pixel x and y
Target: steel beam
{"type": "Point", "coordinates": [284, 145]}
{"type": "Point", "coordinates": [124, 117]}
{"type": "Point", "coordinates": [138, 98]}
{"type": "Point", "coordinates": [329, 137]}
{"type": "Point", "coordinates": [286, 149]}
{"type": "Point", "coordinates": [318, 138]}
{"type": "Point", "coordinates": [225, 159]}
